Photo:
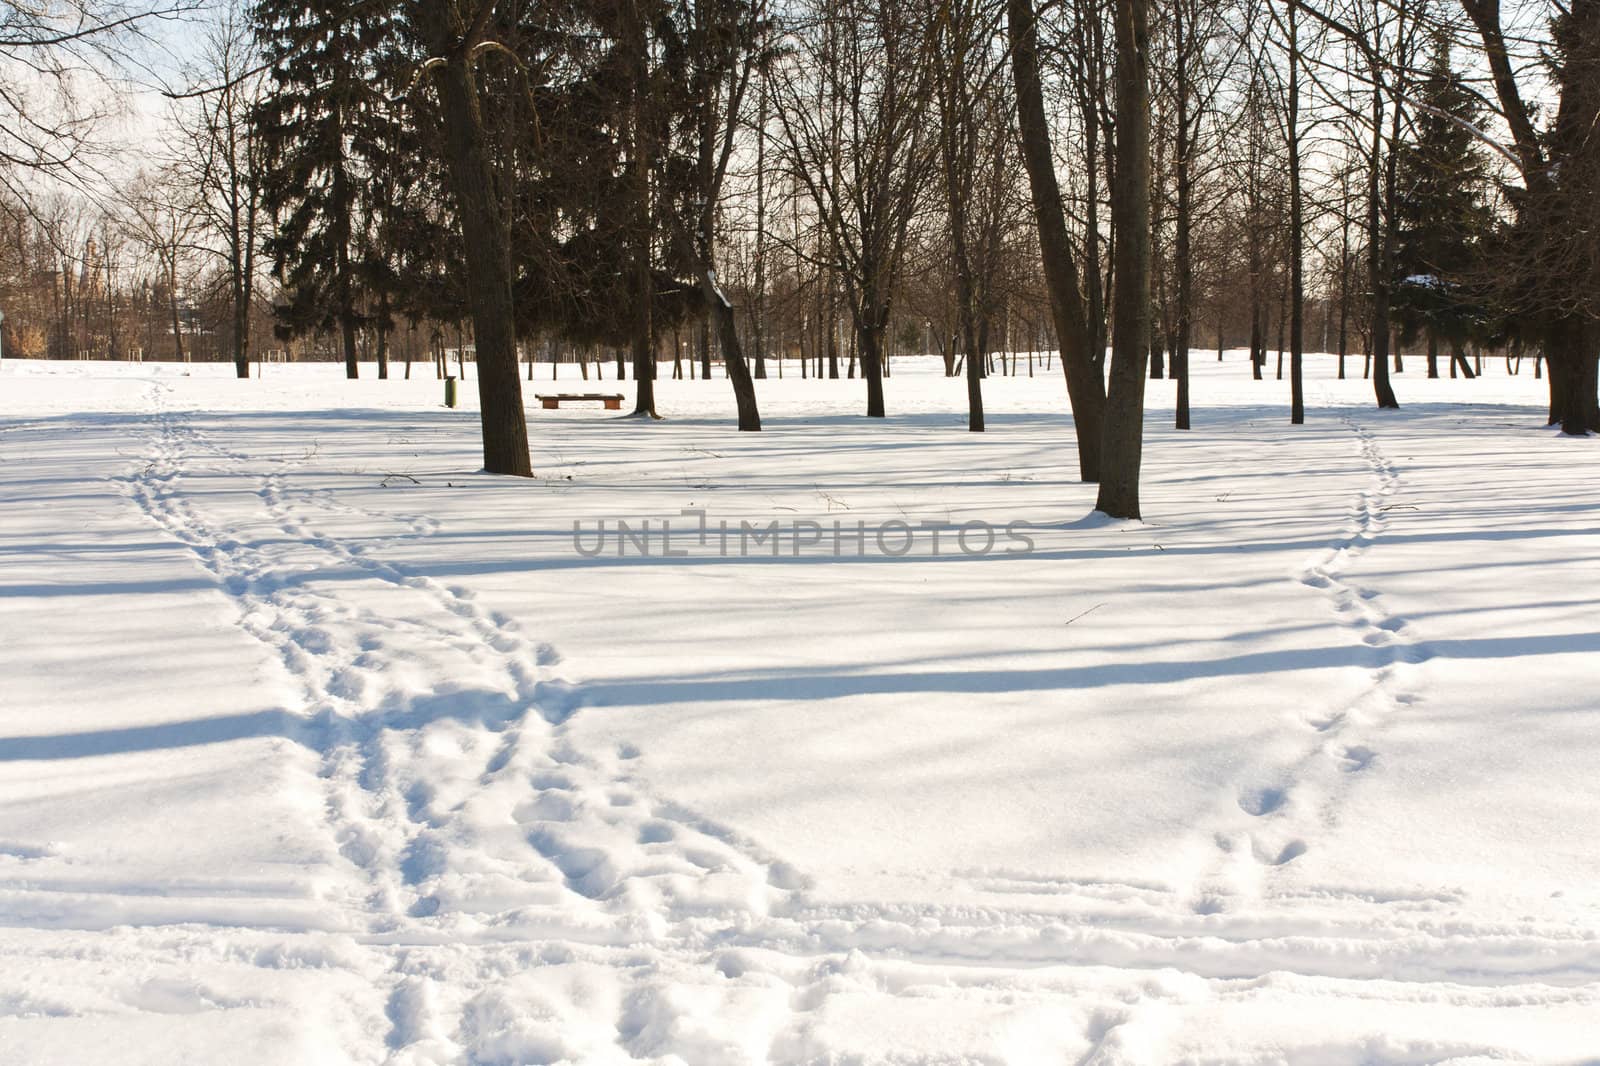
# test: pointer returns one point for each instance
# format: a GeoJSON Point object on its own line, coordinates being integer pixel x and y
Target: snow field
{"type": "Point", "coordinates": [317, 746]}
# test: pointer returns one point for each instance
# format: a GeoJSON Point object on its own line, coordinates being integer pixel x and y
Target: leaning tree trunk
{"type": "Point", "coordinates": [486, 235]}
{"type": "Point", "coordinates": [1130, 214]}
{"type": "Point", "coordinates": [744, 389]}
{"type": "Point", "coordinates": [1085, 388]}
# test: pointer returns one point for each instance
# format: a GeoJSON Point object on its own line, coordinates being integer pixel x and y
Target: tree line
{"type": "Point", "coordinates": [1117, 180]}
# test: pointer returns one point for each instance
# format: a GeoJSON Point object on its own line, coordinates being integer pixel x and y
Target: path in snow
{"type": "Point", "coordinates": [511, 881]}
{"type": "Point", "coordinates": [451, 798]}
{"type": "Point", "coordinates": [1286, 809]}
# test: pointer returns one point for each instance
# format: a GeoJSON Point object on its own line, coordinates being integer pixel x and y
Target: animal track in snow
{"type": "Point", "coordinates": [1356, 758]}
{"type": "Point", "coordinates": [1280, 856]}
{"type": "Point", "coordinates": [1263, 801]}
{"type": "Point", "coordinates": [1385, 641]}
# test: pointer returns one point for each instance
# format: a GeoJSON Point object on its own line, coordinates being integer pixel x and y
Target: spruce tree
{"type": "Point", "coordinates": [1443, 215]}
{"type": "Point", "coordinates": [318, 55]}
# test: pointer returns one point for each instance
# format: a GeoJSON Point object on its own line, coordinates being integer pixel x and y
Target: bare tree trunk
{"type": "Point", "coordinates": [1297, 287]}
{"type": "Point", "coordinates": [1377, 243]}
{"type": "Point", "coordinates": [1185, 268]}
{"type": "Point", "coordinates": [833, 338]}
{"type": "Point", "coordinates": [744, 389]}
{"type": "Point", "coordinates": [1344, 275]}
{"type": "Point", "coordinates": [172, 303]}
{"type": "Point", "coordinates": [1085, 389]}
{"type": "Point", "coordinates": [382, 326]}
{"type": "Point", "coordinates": [486, 236]}
{"type": "Point", "coordinates": [643, 293]}
{"type": "Point", "coordinates": [1130, 209]}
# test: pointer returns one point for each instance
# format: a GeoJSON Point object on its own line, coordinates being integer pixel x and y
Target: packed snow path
{"type": "Point", "coordinates": [319, 748]}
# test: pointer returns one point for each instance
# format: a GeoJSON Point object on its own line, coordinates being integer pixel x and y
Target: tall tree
{"type": "Point", "coordinates": [319, 62]}
{"type": "Point", "coordinates": [1552, 262]}
{"type": "Point", "coordinates": [1297, 232]}
{"type": "Point", "coordinates": [1196, 73]}
{"type": "Point", "coordinates": [1085, 383]}
{"type": "Point", "coordinates": [723, 42]}
{"type": "Point", "coordinates": [1444, 217]}
{"type": "Point", "coordinates": [459, 42]}
{"type": "Point", "coordinates": [1387, 78]}
{"type": "Point", "coordinates": [161, 217]}
{"type": "Point", "coordinates": [974, 120]}
{"type": "Point", "coordinates": [852, 102]}
{"type": "Point", "coordinates": [1130, 211]}
{"type": "Point", "coordinates": [220, 156]}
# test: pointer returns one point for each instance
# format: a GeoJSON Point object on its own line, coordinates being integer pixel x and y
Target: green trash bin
{"type": "Point", "coordinates": [449, 391]}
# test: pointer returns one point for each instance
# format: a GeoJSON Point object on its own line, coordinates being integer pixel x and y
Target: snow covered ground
{"type": "Point", "coordinates": [316, 746]}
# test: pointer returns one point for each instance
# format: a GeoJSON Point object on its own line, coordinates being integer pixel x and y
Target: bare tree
{"type": "Point", "coordinates": [851, 100]}
{"type": "Point", "coordinates": [1085, 383]}
{"type": "Point", "coordinates": [726, 44]}
{"type": "Point", "coordinates": [1195, 68]}
{"type": "Point", "coordinates": [1130, 210]}
{"type": "Point", "coordinates": [62, 63]}
{"type": "Point", "coordinates": [974, 118]}
{"type": "Point", "coordinates": [160, 215]}
{"type": "Point", "coordinates": [217, 154]}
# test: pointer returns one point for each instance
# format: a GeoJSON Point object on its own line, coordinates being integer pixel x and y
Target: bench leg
{"type": "Point", "coordinates": [550, 404]}
{"type": "Point", "coordinates": [613, 405]}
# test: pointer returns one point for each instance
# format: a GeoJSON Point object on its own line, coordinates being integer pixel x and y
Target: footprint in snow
{"type": "Point", "coordinates": [1281, 857]}
{"type": "Point", "coordinates": [1262, 801]}
{"type": "Point", "coordinates": [655, 833]}
{"type": "Point", "coordinates": [1357, 758]}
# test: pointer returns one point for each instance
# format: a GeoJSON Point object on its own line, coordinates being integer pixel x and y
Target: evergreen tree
{"type": "Point", "coordinates": [319, 56]}
{"type": "Point", "coordinates": [1443, 216]}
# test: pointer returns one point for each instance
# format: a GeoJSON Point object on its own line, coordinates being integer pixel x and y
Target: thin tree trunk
{"type": "Point", "coordinates": [382, 326]}
{"type": "Point", "coordinates": [1185, 269]}
{"type": "Point", "coordinates": [1297, 293]}
{"type": "Point", "coordinates": [643, 293]}
{"type": "Point", "coordinates": [1377, 243]}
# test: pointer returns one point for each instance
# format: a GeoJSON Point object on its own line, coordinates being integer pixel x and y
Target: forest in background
{"type": "Point", "coordinates": [643, 184]}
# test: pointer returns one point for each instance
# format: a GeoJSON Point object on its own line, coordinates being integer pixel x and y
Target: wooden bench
{"type": "Point", "coordinates": [552, 401]}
